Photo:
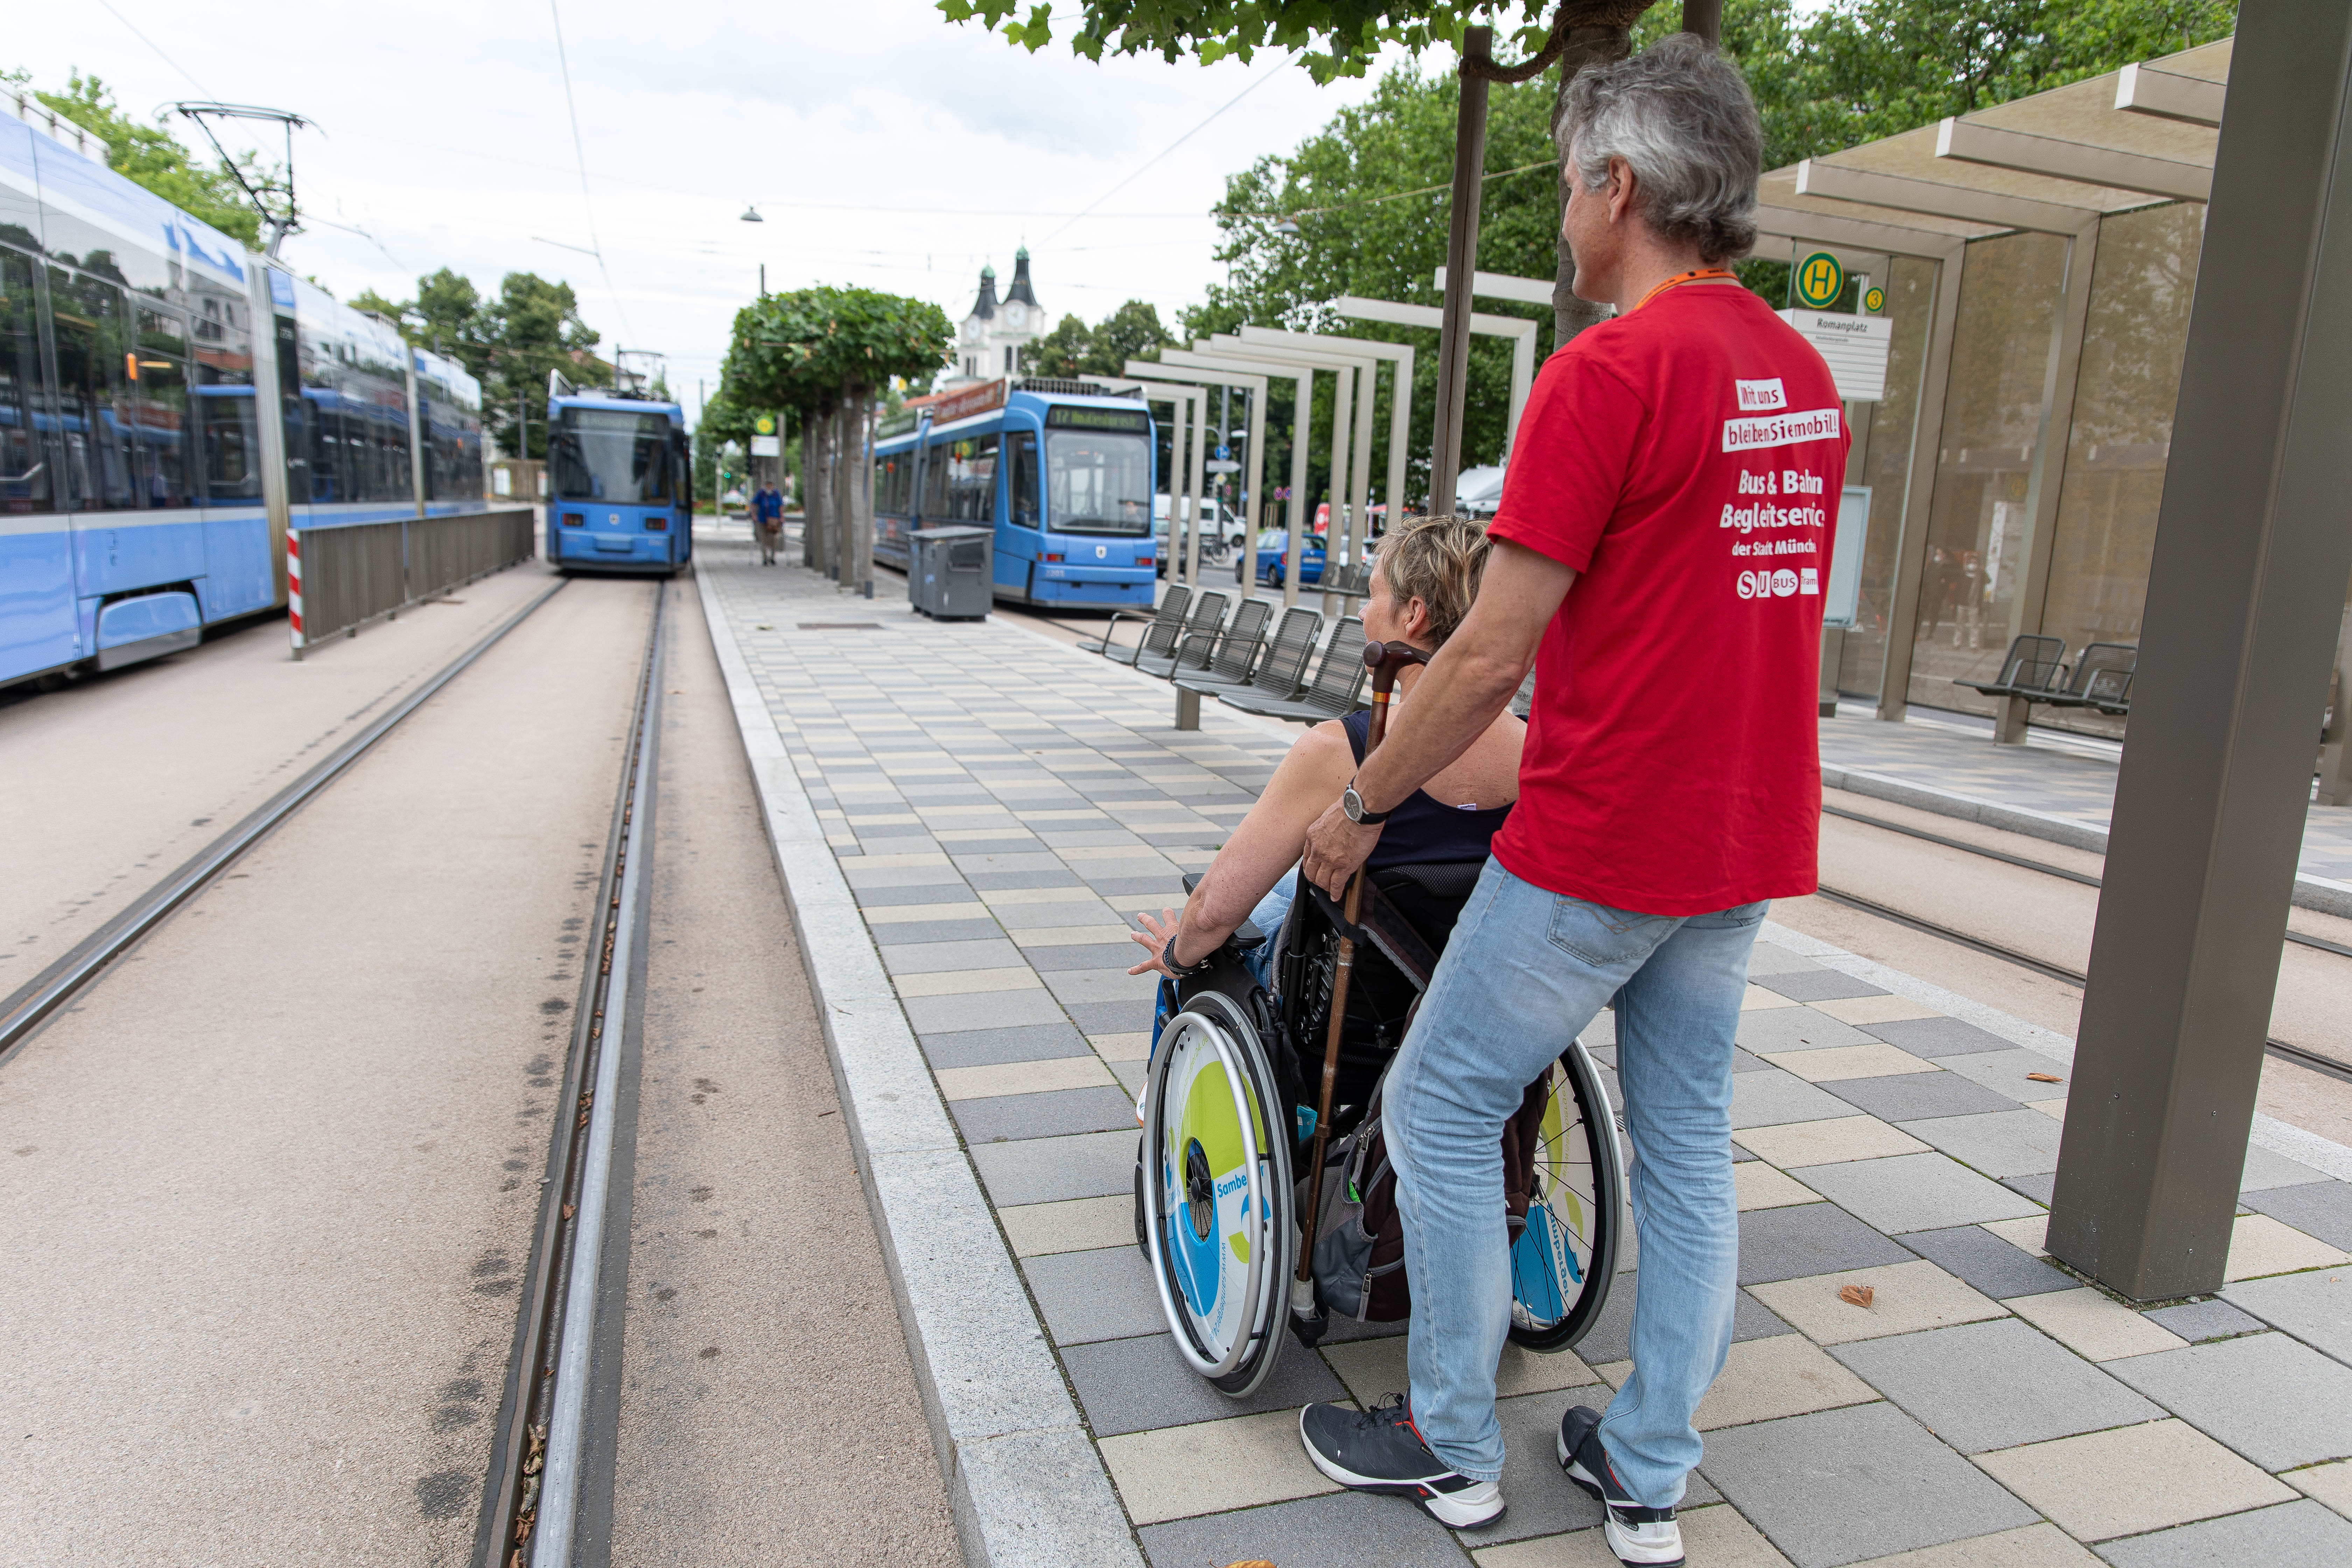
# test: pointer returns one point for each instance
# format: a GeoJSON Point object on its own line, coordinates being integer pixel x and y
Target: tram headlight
{"type": "Point", "coordinates": [573, 519]}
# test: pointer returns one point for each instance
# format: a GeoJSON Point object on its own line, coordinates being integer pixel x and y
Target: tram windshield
{"type": "Point", "coordinates": [1097, 483]}
{"type": "Point", "coordinates": [604, 455]}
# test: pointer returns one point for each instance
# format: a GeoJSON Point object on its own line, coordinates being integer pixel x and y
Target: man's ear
{"type": "Point", "coordinates": [1620, 188]}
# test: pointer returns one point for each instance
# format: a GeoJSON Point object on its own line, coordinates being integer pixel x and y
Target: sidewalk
{"type": "Point", "coordinates": [966, 814]}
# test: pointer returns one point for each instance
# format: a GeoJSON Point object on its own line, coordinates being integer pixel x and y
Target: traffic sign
{"type": "Point", "coordinates": [1224, 455]}
{"type": "Point", "coordinates": [1818, 280]}
{"type": "Point", "coordinates": [765, 424]}
{"type": "Point", "coordinates": [1873, 298]}
{"type": "Point", "coordinates": [1221, 465]}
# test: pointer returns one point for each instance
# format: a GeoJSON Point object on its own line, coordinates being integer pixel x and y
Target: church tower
{"type": "Point", "coordinates": [996, 336]}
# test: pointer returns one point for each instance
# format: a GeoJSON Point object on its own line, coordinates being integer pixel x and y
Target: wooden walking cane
{"type": "Point", "coordinates": [1386, 662]}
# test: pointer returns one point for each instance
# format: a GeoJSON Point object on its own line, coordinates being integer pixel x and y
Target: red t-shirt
{"type": "Point", "coordinates": [1686, 461]}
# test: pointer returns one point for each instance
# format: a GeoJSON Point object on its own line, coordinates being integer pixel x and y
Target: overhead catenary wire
{"type": "Point", "coordinates": [579, 153]}
{"type": "Point", "coordinates": [1139, 172]}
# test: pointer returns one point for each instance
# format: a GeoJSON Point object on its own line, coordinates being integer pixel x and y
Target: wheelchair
{"type": "Point", "coordinates": [1229, 1112]}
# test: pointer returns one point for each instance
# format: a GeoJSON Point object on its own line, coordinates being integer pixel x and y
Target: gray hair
{"type": "Point", "coordinates": [1680, 115]}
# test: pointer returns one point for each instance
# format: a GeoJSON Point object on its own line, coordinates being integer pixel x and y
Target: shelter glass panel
{"type": "Point", "coordinates": [2132, 349]}
{"type": "Point", "coordinates": [1883, 458]}
{"type": "Point", "coordinates": [1976, 525]}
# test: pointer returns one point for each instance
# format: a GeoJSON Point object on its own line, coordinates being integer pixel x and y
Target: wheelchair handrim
{"type": "Point", "coordinates": [1264, 1233]}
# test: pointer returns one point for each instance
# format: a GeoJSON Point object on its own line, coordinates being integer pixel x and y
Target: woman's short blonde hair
{"type": "Point", "coordinates": [1437, 560]}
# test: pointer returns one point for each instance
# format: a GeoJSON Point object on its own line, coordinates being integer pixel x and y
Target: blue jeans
{"type": "Point", "coordinates": [1524, 972]}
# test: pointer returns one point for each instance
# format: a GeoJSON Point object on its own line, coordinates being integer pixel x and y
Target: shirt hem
{"type": "Point", "coordinates": [1649, 903]}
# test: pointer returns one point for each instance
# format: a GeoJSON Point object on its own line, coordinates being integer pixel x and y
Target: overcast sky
{"type": "Point", "coordinates": [884, 146]}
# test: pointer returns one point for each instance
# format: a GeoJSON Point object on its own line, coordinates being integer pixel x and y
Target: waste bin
{"type": "Point", "coordinates": [954, 572]}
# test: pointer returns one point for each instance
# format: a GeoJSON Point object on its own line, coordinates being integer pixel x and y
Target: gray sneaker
{"type": "Point", "coordinates": [1641, 1537]}
{"type": "Point", "coordinates": [1380, 1450]}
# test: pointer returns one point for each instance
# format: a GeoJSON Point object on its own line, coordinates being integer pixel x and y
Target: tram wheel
{"type": "Point", "coordinates": [1563, 1263]}
{"type": "Point", "coordinates": [1214, 1196]}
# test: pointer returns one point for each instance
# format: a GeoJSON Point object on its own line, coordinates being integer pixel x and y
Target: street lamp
{"type": "Point", "coordinates": [751, 214]}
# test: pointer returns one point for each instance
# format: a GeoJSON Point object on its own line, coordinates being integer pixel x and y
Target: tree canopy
{"type": "Point", "coordinates": [1073, 348]}
{"type": "Point", "coordinates": [805, 349]}
{"type": "Point", "coordinates": [149, 155]}
{"type": "Point", "coordinates": [508, 343]}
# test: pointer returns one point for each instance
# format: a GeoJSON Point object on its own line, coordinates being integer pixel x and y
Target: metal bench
{"type": "Point", "coordinates": [1236, 651]}
{"type": "Point", "coordinates": [1192, 650]}
{"type": "Point", "coordinates": [2034, 668]}
{"type": "Point", "coordinates": [2102, 679]}
{"type": "Point", "coordinates": [1332, 694]}
{"type": "Point", "coordinates": [1159, 632]}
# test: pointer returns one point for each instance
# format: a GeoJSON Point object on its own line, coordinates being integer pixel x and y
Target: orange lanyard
{"type": "Point", "coordinates": [1681, 278]}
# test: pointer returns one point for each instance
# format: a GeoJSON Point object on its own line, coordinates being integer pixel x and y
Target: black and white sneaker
{"type": "Point", "coordinates": [1380, 1450]}
{"type": "Point", "coordinates": [1647, 1537]}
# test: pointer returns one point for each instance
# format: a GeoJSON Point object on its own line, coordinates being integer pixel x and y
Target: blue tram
{"type": "Point", "coordinates": [146, 490]}
{"type": "Point", "coordinates": [1065, 475]}
{"type": "Point", "coordinates": [620, 476]}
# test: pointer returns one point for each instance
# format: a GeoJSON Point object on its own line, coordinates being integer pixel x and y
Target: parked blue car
{"type": "Point", "coordinates": [1273, 558]}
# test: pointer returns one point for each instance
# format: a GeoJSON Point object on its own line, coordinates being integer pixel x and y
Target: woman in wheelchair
{"type": "Point", "coordinates": [1248, 972]}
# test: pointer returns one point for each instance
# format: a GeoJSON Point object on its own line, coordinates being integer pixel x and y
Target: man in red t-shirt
{"type": "Point", "coordinates": [1662, 546]}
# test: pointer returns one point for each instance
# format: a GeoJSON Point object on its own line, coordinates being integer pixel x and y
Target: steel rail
{"type": "Point", "coordinates": [537, 1453]}
{"type": "Point", "coordinates": [2301, 1056]}
{"type": "Point", "coordinates": [24, 1009]}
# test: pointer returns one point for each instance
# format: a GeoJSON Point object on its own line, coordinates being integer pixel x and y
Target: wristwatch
{"type": "Point", "coordinates": [1352, 804]}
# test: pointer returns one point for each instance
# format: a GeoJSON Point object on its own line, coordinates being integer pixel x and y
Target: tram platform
{"type": "Point", "coordinates": [965, 816]}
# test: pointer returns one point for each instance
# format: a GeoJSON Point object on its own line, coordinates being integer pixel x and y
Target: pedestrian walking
{"type": "Point", "coordinates": [1660, 549]}
{"type": "Point", "coordinates": [768, 521]}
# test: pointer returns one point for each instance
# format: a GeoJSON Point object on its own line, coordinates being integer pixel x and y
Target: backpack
{"type": "Point", "coordinates": [1359, 1253]}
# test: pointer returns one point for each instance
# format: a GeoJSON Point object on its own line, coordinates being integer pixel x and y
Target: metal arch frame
{"type": "Point", "coordinates": [1302, 414]}
{"type": "Point", "coordinates": [1520, 330]}
{"type": "Point", "coordinates": [1351, 440]}
{"type": "Point", "coordinates": [1400, 358]}
{"type": "Point", "coordinates": [1255, 386]}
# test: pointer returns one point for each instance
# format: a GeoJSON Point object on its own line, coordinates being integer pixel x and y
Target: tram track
{"type": "Point", "coordinates": [2298, 1056]}
{"type": "Point", "coordinates": [25, 1010]}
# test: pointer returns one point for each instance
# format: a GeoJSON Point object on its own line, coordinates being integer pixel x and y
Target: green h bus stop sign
{"type": "Point", "coordinates": [1818, 280]}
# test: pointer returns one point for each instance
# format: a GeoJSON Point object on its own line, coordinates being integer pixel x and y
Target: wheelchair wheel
{"type": "Point", "coordinates": [1561, 1265]}
{"type": "Point", "coordinates": [1216, 1189]}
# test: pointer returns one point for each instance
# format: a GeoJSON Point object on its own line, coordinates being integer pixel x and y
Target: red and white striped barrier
{"type": "Point", "coordinates": [294, 587]}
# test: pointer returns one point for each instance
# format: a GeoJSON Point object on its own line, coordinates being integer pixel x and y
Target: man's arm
{"type": "Point", "coordinates": [1472, 679]}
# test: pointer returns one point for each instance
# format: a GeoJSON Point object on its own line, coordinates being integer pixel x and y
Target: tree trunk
{"type": "Point", "coordinates": [840, 538]}
{"type": "Point", "coordinates": [805, 491]}
{"type": "Point", "coordinates": [860, 573]}
{"type": "Point", "coordinates": [1586, 45]}
{"type": "Point", "coordinates": [820, 510]}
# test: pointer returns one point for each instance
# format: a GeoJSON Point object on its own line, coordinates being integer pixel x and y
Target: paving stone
{"type": "Point", "coordinates": [2197, 1322]}
{"type": "Point", "coordinates": [1079, 988]}
{"type": "Point", "coordinates": [1796, 1029]}
{"type": "Point", "coordinates": [917, 893]}
{"type": "Point", "coordinates": [1831, 1141]}
{"type": "Point", "coordinates": [1763, 1186]}
{"type": "Point", "coordinates": [1103, 1294]}
{"type": "Point", "coordinates": [1105, 957]}
{"type": "Point", "coordinates": [1875, 1060]}
{"type": "Point", "coordinates": [1048, 1170]}
{"type": "Point", "coordinates": [1867, 1010]}
{"type": "Point", "coordinates": [1905, 1298]}
{"type": "Point", "coordinates": [1164, 885]}
{"type": "Point", "coordinates": [1049, 1115]}
{"type": "Point", "coordinates": [1082, 1071]}
{"type": "Point", "coordinates": [2094, 1326]}
{"type": "Point", "coordinates": [1210, 1467]}
{"type": "Point", "coordinates": [1765, 1380]}
{"type": "Point", "coordinates": [1840, 1486]}
{"type": "Point", "coordinates": [1133, 1045]}
{"type": "Point", "coordinates": [1374, 1369]}
{"type": "Point", "coordinates": [986, 1047]}
{"type": "Point", "coordinates": [2331, 1484]}
{"type": "Point", "coordinates": [1110, 1017]}
{"type": "Point", "coordinates": [1610, 1338]}
{"type": "Point", "coordinates": [2041, 1545]}
{"type": "Point", "coordinates": [1813, 1239]}
{"type": "Point", "coordinates": [1938, 1037]}
{"type": "Point", "coordinates": [1542, 1501]}
{"type": "Point", "coordinates": [1139, 1383]}
{"type": "Point", "coordinates": [2004, 1072]}
{"type": "Point", "coordinates": [979, 928]}
{"type": "Point", "coordinates": [982, 1010]}
{"type": "Point", "coordinates": [2129, 1480]}
{"type": "Point", "coordinates": [1075, 1225]}
{"type": "Point", "coordinates": [911, 957]}
{"type": "Point", "coordinates": [1345, 1532]}
{"type": "Point", "coordinates": [934, 882]}
{"type": "Point", "coordinates": [1820, 985]}
{"type": "Point", "coordinates": [2321, 1209]}
{"type": "Point", "coordinates": [2278, 1402]}
{"type": "Point", "coordinates": [2298, 1535]}
{"type": "Point", "coordinates": [1988, 1265]}
{"type": "Point", "coordinates": [1999, 1143]}
{"type": "Point", "coordinates": [1770, 1098]}
{"type": "Point", "coordinates": [2315, 1308]}
{"type": "Point", "coordinates": [1023, 881]}
{"type": "Point", "coordinates": [967, 982]}
{"type": "Point", "coordinates": [1994, 1385]}
{"type": "Point", "coordinates": [2029, 1233]}
{"type": "Point", "coordinates": [1766, 958]}
{"type": "Point", "coordinates": [2260, 1245]}
{"type": "Point", "coordinates": [2041, 1188]}
{"type": "Point", "coordinates": [1915, 1191]}
{"type": "Point", "coordinates": [1716, 1536]}
{"type": "Point", "coordinates": [1915, 1096]}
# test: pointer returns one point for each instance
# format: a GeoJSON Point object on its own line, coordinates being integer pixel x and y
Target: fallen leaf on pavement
{"type": "Point", "coordinates": [1857, 1295]}
{"type": "Point", "coordinates": [2046, 1077]}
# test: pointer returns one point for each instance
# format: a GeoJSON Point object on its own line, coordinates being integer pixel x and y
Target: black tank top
{"type": "Point", "coordinates": [1423, 830]}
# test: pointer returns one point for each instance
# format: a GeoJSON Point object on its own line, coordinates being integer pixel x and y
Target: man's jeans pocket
{"type": "Point", "coordinates": [1602, 936]}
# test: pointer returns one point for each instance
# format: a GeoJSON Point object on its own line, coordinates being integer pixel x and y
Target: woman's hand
{"type": "Point", "coordinates": [1154, 939]}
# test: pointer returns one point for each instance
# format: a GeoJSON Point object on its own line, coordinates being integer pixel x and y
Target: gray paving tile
{"type": "Point", "coordinates": [2000, 1143]}
{"type": "Point", "coordinates": [993, 1047]}
{"type": "Point", "coordinates": [1939, 1037]}
{"type": "Point", "coordinates": [2265, 1170]}
{"type": "Point", "coordinates": [1770, 1098]}
{"type": "Point", "coordinates": [2199, 1321]}
{"type": "Point", "coordinates": [2323, 1209]}
{"type": "Point", "coordinates": [1611, 1336]}
{"type": "Point", "coordinates": [868, 879]}
{"type": "Point", "coordinates": [1104, 1294]}
{"type": "Point", "coordinates": [1345, 1531]}
{"type": "Point", "coordinates": [1809, 1238]}
{"type": "Point", "coordinates": [978, 929]}
{"type": "Point", "coordinates": [1001, 881]}
{"type": "Point", "coordinates": [942, 957]}
{"type": "Point", "coordinates": [950, 892]}
{"type": "Point", "coordinates": [2040, 1187]}
{"type": "Point", "coordinates": [1766, 959]}
{"type": "Point", "coordinates": [1111, 957]}
{"type": "Point", "coordinates": [2278, 1402]}
{"type": "Point", "coordinates": [982, 1010]}
{"type": "Point", "coordinates": [1048, 1170]}
{"type": "Point", "coordinates": [2004, 1072]}
{"type": "Point", "coordinates": [1051, 1114]}
{"type": "Point", "coordinates": [1840, 1485]}
{"type": "Point", "coordinates": [1994, 1385]}
{"type": "Point", "coordinates": [1135, 1385]}
{"type": "Point", "coordinates": [1160, 885]}
{"type": "Point", "coordinates": [1795, 1029]}
{"type": "Point", "coordinates": [1915, 1096]}
{"type": "Point", "coordinates": [1819, 985]}
{"type": "Point", "coordinates": [1742, 1061]}
{"type": "Point", "coordinates": [1078, 987]}
{"type": "Point", "coordinates": [1987, 1263]}
{"type": "Point", "coordinates": [1541, 1500]}
{"type": "Point", "coordinates": [1112, 1018]}
{"type": "Point", "coordinates": [1915, 1191]}
{"type": "Point", "coordinates": [2300, 1534]}
{"type": "Point", "coordinates": [1026, 860]}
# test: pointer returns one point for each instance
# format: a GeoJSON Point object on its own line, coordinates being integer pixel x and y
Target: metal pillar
{"type": "Point", "coordinates": [2335, 741]}
{"type": "Point", "coordinates": [2244, 598]}
{"type": "Point", "coordinates": [2059, 377]}
{"type": "Point", "coordinates": [1208, 357]}
{"type": "Point", "coordinates": [1520, 330]}
{"type": "Point", "coordinates": [1400, 361]}
{"type": "Point", "coordinates": [1166, 367]}
{"type": "Point", "coordinates": [1461, 264]}
{"type": "Point", "coordinates": [1351, 432]}
{"type": "Point", "coordinates": [1919, 488]}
